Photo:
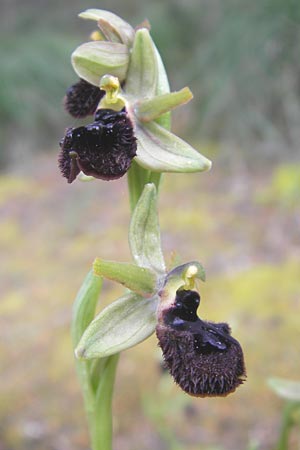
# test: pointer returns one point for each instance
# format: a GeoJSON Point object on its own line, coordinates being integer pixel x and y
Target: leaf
{"type": "Point", "coordinates": [121, 325]}
{"type": "Point", "coordinates": [141, 80]}
{"type": "Point", "coordinates": [85, 305]}
{"type": "Point", "coordinates": [162, 151]}
{"type": "Point", "coordinates": [144, 232]}
{"type": "Point", "coordinates": [122, 28]}
{"type": "Point", "coordinates": [82, 315]}
{"type": "Point", "coordinates": [290, 390]}
{"type": "Point", "coordinates": [94, 59]}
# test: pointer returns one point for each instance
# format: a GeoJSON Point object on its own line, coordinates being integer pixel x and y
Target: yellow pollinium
{"type": "Point", "coordinates": [189, 277]}
{"type": "Point", "coordinates": [113, 98]}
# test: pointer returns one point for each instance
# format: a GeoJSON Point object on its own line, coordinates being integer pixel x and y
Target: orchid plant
{"type": "Point", "coordinates": [123, 84]}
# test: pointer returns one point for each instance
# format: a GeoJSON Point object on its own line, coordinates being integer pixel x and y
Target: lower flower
{"type": "Point", "coordinates": [103, 149]}
{"type": "Point", "coordinates": [203, 358]}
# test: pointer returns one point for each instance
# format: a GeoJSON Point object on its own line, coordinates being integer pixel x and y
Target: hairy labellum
{"type": "Point", "coordinates": [103, 149]}
{"type": "Point", "coordinates": [203, 357]}
{"type": "Point", "coordinates": [82, 99]}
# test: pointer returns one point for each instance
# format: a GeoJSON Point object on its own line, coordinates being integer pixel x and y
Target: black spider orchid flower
{"type": "Point", "coordinates": [124, 84]}
{"type": "Point", "coordinates": [203, 358]}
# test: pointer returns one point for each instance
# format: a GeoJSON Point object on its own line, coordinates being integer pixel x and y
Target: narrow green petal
{"type": "Point", "coordinates": [123, 28]}
{"type": "Point", "coordinates": [94, 59]}
{"type": "Point", "coordinates": [141, 80]}
{"type": "Point", "coordinates": [144, 232]}
{"type": "Point", "coordinates": [152, 108]}
{"type": "Point", "coordinates": [121, 325]}
{"type": "Point", "coordinates": [162, 151]}
{"type": "Point", "coordinates": [138, 279]}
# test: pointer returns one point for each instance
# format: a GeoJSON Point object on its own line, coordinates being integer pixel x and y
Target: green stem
{"type": "Point", "coordinates": [155, 177]}
{"type": "Point", "coordinates": [137, 177]}
{"type": "Point", "coordinates": [82, 368]}
{"type": "Point", "coordinates": [287, 423]}
{"type": "Point", "coordinates": [101, 420]}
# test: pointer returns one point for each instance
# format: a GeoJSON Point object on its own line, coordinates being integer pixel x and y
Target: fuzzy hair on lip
{"type": "Point", "coordinates": [103, 149]}
{"type": "Point", "coordinates": [203, 358]}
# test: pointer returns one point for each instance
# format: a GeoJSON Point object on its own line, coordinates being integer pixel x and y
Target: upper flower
{"type": "Point", "coordinates": [124, 70]}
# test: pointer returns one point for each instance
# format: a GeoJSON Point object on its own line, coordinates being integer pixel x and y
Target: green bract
{"type": "Point", "coordinates": [144, 233]}
{"type": "Point", "coordinates": [132, 318]}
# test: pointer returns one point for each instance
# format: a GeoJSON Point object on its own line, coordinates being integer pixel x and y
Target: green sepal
{"type": "Point", "coordinates": [144, 232]}
{"type": "Point", "coordinates": [121, 325]}
{"type": "Point", "coordinates": [122, 28]}
{"type": "Point", "coordinates": [109, 32]}
{"type": "Point", "coordinates": [138, 279]}
{"type": "Point", "coordinates": [142, 76]}
{"type": "Point", "coordinates": [161, 151]}
{"type": "Point", "coordinates": [287, 389]}
{"type": "Point", "coordinates": [85, 305]}
{"type": "Point", "coordinates": [94, 59]}
{"type": "Point", "coordinates": [150, 109]}
{"type": "Point", "coordinates": [163, 87]}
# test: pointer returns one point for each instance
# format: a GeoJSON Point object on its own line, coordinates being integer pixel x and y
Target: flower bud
{"type": "Point", "coordinates": [203, 357]}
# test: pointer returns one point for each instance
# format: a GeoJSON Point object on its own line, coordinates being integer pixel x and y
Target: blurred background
{"type": "Point", "coordinates": [241, 220]}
